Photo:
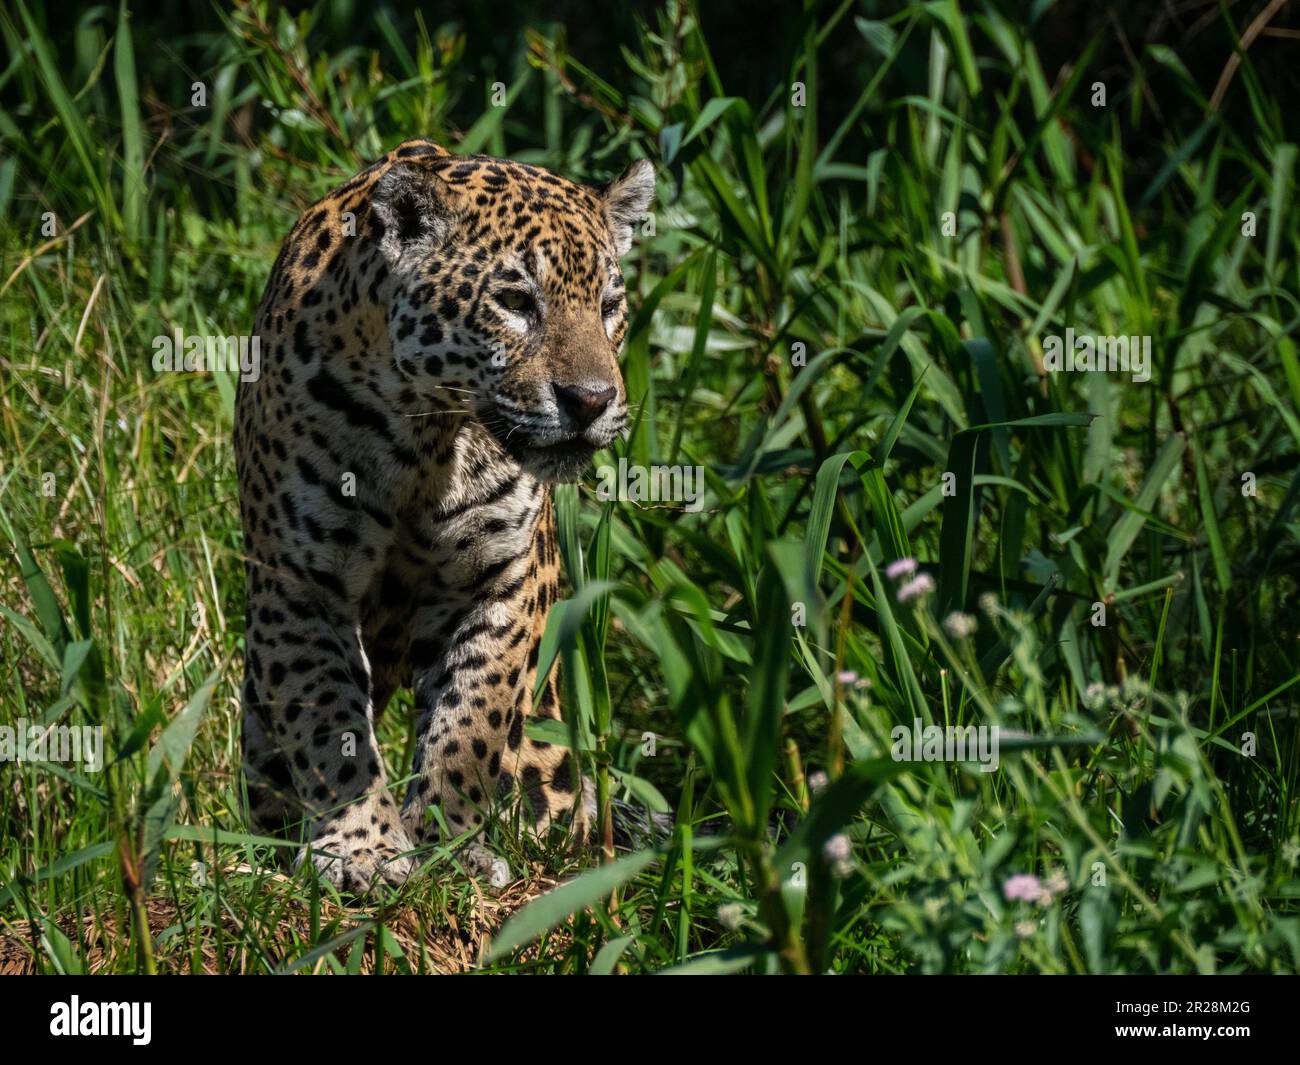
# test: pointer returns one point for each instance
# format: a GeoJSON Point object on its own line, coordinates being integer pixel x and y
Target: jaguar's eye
{"type": "Point", "coordinates": [518, 301]}
{"type": "Point", "coordinates": [610, 306]}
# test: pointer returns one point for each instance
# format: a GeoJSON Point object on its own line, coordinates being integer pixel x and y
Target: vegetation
{"type": "Point", "coordinates": [865, 240]}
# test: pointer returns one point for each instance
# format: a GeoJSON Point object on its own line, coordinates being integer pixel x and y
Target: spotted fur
{"type": "Point", "coordinates": [440, 338]}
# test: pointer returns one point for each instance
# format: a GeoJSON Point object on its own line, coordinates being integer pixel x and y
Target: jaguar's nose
{"type": "Point", "coordinates": [583, 405]}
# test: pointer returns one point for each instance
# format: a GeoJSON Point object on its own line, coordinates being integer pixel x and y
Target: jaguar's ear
{"type": "Point", "coordinates": [627, 199]}
{"type": "Point", "coordinates": [415, 210]}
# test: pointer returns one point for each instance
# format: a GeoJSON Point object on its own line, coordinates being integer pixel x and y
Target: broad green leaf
{"type": "Point", "coordinates": [544, 913]}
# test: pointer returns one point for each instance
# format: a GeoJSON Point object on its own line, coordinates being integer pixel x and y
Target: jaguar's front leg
{"type": "Point", "coordinates": [471, 750]}
{"type": "Point", "coordinates": [309, 681]}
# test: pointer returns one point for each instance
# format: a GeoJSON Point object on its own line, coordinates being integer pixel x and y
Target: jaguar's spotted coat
{"type": "Point", "coordinates": [440, 339]}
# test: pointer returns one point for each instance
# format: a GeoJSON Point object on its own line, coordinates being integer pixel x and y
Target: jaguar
{"type": "Point", "coordinates": [440, 339]}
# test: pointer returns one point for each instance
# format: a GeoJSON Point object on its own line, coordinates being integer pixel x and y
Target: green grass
{"type": "Point", "coordinates": [809, 329]}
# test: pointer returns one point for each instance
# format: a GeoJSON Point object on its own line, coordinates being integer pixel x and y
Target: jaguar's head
{"type": "Point", "coordinates": [508, 300]}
